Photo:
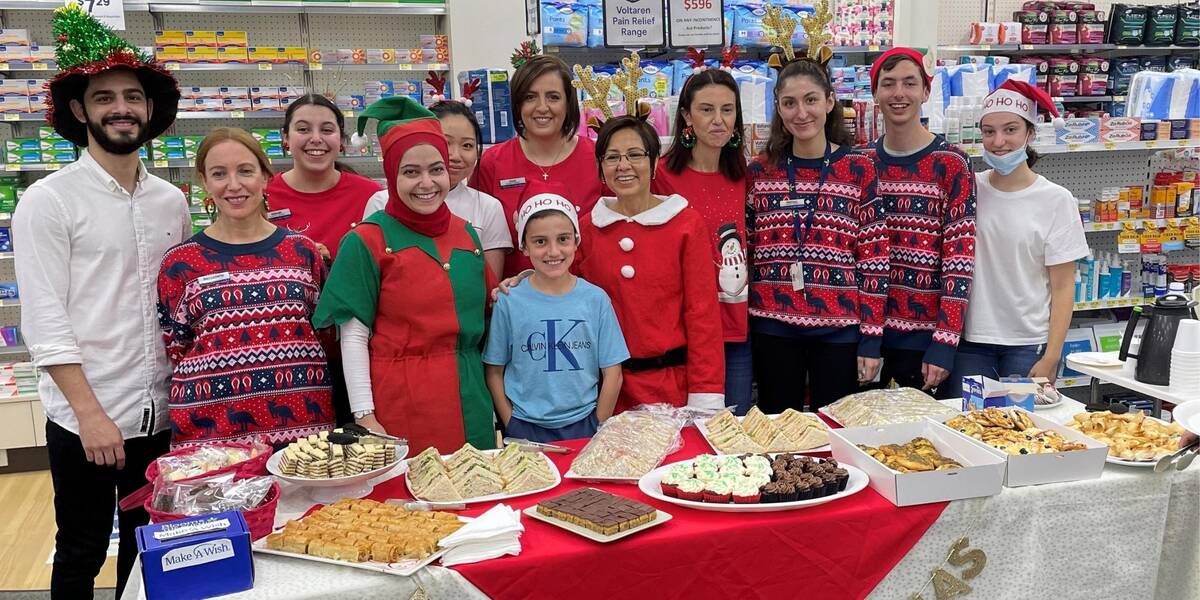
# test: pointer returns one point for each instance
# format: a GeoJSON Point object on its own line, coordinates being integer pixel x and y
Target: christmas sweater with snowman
{"type": "Point", "coordinates": [722, 203]}
{"type": "Point", "coordinates": [842, 250]}
{"type": "Point", "coordinates": [929, 198]}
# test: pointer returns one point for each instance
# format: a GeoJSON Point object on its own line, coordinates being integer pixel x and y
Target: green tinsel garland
{"type": "Point", "coordinates": [81, 39]}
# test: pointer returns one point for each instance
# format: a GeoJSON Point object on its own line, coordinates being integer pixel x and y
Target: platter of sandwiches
{"type": "Point", "coordinates": [789, 431]}
{"type": "Point", "coordinates": [471, 475]}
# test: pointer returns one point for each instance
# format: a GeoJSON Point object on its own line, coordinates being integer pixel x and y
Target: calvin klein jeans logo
{"type": "Point", "coordinates": [550, 345]}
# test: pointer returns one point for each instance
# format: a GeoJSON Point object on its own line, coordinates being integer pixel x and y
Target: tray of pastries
{"type": "Point", "coordinates": [1133, 439]}
{"type": "Point", "coordinates": [914, 456]}
{"type": "Point", "coordinates": [472, 475]}
{"type": "Point", "coordinates": [753, 482]}
{"type": "Point", "coordinates": [334, 458]}
{"type": "Point", "coordinates": [627, 446]}
{"type": "Point", "coordinates": [598, 515]}
{"type": "Point", "coordinates": [364, 534]}
{"type": "Point", "coordinates": [1012, 432]}
{"type": "Point", "coordinates": [789, 431]}
{"type": "Point", "coordinates": [885, 407]}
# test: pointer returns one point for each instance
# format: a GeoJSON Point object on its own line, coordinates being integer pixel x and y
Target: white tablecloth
{"type": "Point", "coordinates": [1131, 534]}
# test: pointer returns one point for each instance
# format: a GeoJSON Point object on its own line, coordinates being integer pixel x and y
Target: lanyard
{"type": "Point", "coordinates": [812, 209]}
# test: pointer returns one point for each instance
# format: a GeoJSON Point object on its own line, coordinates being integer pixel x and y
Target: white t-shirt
{"type": "Point", "coordinates": [481, 210]}
{"type": "Point", "coordinates": [1018, 235]}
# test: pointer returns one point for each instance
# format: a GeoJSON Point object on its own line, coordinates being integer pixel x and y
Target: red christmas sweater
{"type": "Point", "coordinates": [236, 321]}
{"type": "Point", "coordinates": [504, 170]}
{"type": "Point", "coordinates": [323, 217]}
{"type": "Point", "coordinates": [929, 199]}
{"type": "Point", "coordinates": [722, 203]}
{"type": "Point", "coordinates": [844, 254]}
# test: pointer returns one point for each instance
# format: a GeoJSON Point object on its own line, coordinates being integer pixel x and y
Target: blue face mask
{"type": "Point", "coordinates": [1007, 163]}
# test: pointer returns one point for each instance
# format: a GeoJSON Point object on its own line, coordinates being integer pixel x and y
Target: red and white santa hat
{"type": "Point", "coordinates": [543, 196]}
{"type": "Point", "coordinates": [1022, 99]}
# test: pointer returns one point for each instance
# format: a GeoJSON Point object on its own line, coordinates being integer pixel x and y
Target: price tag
{"type": "Point", "coordinates": [109, 12]}
{"type": "Point", "coordinates": [1095, 304]}
{"type": "Point", "coordinates": [1183, 143]}
{"type": "Point", "coordinates": [1152, 144]}
{"type": "Point", "coordinates": [237, 114]}
{"type": "Point", "coordinates": [3, 66]}
{"type": "Point", "coordinates": [12, 117]}
{"type": "Point", "coordinates": [1027, 46]}
{"type": "Point", "coordinates": [161, 164]}
{"type": "Point", "coordinates": [172, 66]}
{"type": "Point", "coordinates": [41, 67]}
{"type": "Point", "coordinates": [985, 47]}
{"type": "Point", "coordinates": [53, 166]}
{"type": "Point", "coordinates": [12, 167]}
{"type": "Point", "coordinates": [349, 114]}
{"type": "Point", "coordinates": [873, 48]}
{"type": "Point", "coordinates": [1074, 147]}
{"type": "Point", "coordinates": [315, 66]}
{"type": "Point", "coordinates": [1110, 145]}
{"type": "Point", "coordinates": [405, 66]}
{"type": "Point", "coordinates": [264, 66]}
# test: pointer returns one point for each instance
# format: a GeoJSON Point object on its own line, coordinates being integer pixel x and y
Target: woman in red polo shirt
{"type": "Point", "coordinates": [546, 116]}
{"type": "Point", "coordinates": [315, 197]}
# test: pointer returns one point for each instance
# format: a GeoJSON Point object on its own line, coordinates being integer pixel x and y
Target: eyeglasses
{"type": "Point", "coordinates": [633, 156]}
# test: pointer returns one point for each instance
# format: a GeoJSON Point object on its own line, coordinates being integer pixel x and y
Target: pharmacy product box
{"type": "Point", "coordinates": [284, 103]}
{"type": "Point", "coordinates": [1084, 124]}
{"type": "Point", "coordinates": [291, 91]}
{"type": "Point", "coordinates": [170, 38]}
{"type": "Point", "coordinates": [201, 38]}
{"type": "Point", "coordinates": [203, 55]}
{"type": "Point", "coordinates": [8, 291]}
{"type": "Point", "coordinates": [48, 133]}
{"type": "Point", "coordinates": [1090, 26]}
{"type": "Point", "coordinates": [192, 142]}
{"type": "Point", "coordinates": [293, 54]}
{"type": "Point", "coordinates": [227, 39]}
{"type": "Point", "coordinates": [490, 103]}
{"type": "Point", "coordinates": [177, 54]}
{"type": "Point", "coordinates": [351, 102]}
{"type": "Point", "coordinates": [1180, 129]}
{"type": "Point", "coordinates": [41, 54]}
{"type": "Point", "coordinates": [58, 156]}
{"type": "Point", "coordinates": [233, 92]}
{"type": "Point", "coordinates": [1149, 130]}
{"type": "Point", "coordinates": [236, 104]}
{"type": "Point", "coordinates": [349, 56]}
{"type": "Point", "coordinates": [267, 136]}
{"type": "Point", "coordinates": [264, 104]}
{"type": "Point", "coordinates": [1120, 135]}
{"type": "Point", "coordinates": [381, 56]}
{"type": "Point", "coordinates": [1034, 26]}
{"type": "Point", "coordinates": [37, 102]}
{"type": "Point", "coordinates": [14, 53]}
{"type": "Point", "coordinates": [261, 55]}
{"type": "Point", "coordinates": [17, 87]}
{"type": "Point", "coordinates": [274, 150]}
{"type": "Point", "coordinates": [979, 392]}
{"type": "Point", "coordinates": [193, 93]}
{"type": "Point", "coordinates": [143, 153]}
{"type": "Point", "coordinates": [14, 37]}
{"type": "Point", "coordinates": [381, 88]}
{"type": "Point", "coordinates": [1122, 123]}
{"type": "Point", "coordinates": [14, 104]}
{"type": "Point", "coordinates": [232, 54]}
{"type": "Point", "coordinates": [164, 142]}
{"type": "Point", "coordinates": [1067, 136]}
{"type": "Point", "coordinates": [1052, 467]}
{"type": "Point", "coordinates": [982, 472]}
{"type": "Point", "coordinates": [172, 154]}
{"type": "Point", "coordinates": [6, 246]}
{"type": "Point", "coordinates": [8, 197]}
{"type": "Point", "coordinates": [201, 105]}
{"type": "Point", "coordinates": [23, 157]}
{"type": "Point", "coordinates": [19, 144]}
{"type": "Point", "coordinates": [55, 145]}
{"type": "Point", "coordinates": [196, 557]}
{"type": "Point", "coordinates": [264, 91]}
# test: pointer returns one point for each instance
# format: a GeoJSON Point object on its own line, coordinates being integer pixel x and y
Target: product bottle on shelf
{"type": "Point", "coordinates": [1078, 286]}
{"type": "Point", "coordinates": [1115, 272]}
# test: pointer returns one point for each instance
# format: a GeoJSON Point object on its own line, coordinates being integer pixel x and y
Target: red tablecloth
{"type": "Point", "coordinates": [837, 550]}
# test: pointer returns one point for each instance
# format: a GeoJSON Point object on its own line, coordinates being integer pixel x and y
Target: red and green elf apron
{"type": "Point", "coordinates": [423, 299]}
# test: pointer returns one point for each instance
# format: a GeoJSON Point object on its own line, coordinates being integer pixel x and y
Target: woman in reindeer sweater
{"type": "Point", "coordinates": [819, 250]}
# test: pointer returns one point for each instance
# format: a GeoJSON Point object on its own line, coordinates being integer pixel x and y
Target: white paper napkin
{"type": "Point", "coordinates": [493, 534]}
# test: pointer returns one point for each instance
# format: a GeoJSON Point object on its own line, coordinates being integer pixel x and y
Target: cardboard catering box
{"type": "Point", "coordinates": [1036, 469]}
{"type": "Point", "coordinates": [982, 473]}
{"type": "Point", "coordinates": [197, 557]}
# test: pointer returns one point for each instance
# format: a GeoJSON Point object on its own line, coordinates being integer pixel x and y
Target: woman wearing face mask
{"type": "Point", "coordinates": [408, 294]}
{"type": "Point", "coordinates": [653, 255]}
{"type": "Point", "coordinates": [481, 210]}
{"type": "Point", "coordinates": [1028, 237]}
{"type": "Point", "coordinates": [242, 292]}
{"type": "Point", "coordinates": [315, 197]}
{"type": "Point", "coordinates": [819, 249]}
{"type": "Point", "coordinates": [705, 165]}
{"type": "Point", "coordinates": [546, 117]}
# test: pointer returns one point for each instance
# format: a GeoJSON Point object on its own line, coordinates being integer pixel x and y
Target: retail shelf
{"type": "Point", "coordinates": [1118, 225]}
{"type": "Point", "coordinates": [1157, 48]}
{"type": "Point", "coordinates": [232, 114]}
{"type": "Point", "coordinates": [8, 350]}
{"type": "Point", "coordinates": [6, 255]}
{"type": "Point", "coordinates": [1040, 48]}
{"type": "Point", "coordinates": [257, 7]}
{"type": "Point", "coordinates": [1108, 303]}
{"type": "Point", "coordinates": [277, 162]}
{"type": "Point", "coordinates": [380, 68]}
{"type": "Point", "coordinates": [176, 66]}
{"type": "Point", "coordinates": [656, 51]}
{"type": "Point", "coordinates": [977, 149]}
{"type": "Point", "coordinates": [10, 302]}
{"type": "Point", "coordinates": [27, 66]}
{"type": "Point", "coordinates": [1076, 99]}
{"type": "Point", "coordinates": [32, 167]}
{"type": "Point", "coordinates": [22, 117]}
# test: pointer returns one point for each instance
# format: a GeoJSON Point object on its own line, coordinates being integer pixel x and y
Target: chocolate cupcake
{"type": "Point", "coordinates": [788, 493]}
{"type": "Point", "coordinates": [843, 477]}
{"type": "Point", "coordinates": [817, 485]}
{"type": "Point", "coordinates": [831, 484]}
{"type": "Point", "coordinates": [803, 491]}
{"type": "Point", "coordinates": [831, 462]}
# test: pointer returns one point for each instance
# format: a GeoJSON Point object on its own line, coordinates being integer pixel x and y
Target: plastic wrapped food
{"type": "Point", "coordinates": [631, 444]}
{"type": "Point", "coordinates": [206, 459]}
{"type": "Point", "coordinates": [887, 407]}
{"type": "Point", "coordinates": [214, 494]}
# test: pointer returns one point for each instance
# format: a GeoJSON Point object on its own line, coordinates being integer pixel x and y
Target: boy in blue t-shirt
{"type": "Point", "coordinates": [554, 351]}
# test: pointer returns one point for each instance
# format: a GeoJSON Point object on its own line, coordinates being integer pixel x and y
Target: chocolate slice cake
{"type": "Point", "coordinates": [602, 512]}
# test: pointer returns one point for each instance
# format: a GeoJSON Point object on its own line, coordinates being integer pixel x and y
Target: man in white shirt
{"type": "Point", "coordinates": [88, 241]}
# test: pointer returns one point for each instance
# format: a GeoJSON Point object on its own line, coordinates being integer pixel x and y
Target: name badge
{"type": "Point", "coordinates": [793, 203]}
{"type": "Point", "coordinates": [276, 215]}
{"type": "Point", "coordinates": [511, 183]}
{"type": "Point", "coordinates": [213, 278]}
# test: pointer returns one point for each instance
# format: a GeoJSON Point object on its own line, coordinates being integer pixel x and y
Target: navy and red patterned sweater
{"type": "Point", "coordinates": [844, 254]}
{"type": "Point", "coordinates": [929, 198]}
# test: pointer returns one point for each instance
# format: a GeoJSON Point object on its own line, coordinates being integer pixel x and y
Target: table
{"type": "Point", "coordinates": [1123, 376]}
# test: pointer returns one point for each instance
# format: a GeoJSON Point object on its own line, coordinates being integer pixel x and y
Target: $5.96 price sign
{"type": "Point", "coordinates": [109, 12]}
{"type": "Point", "coordinates": [696, 23]}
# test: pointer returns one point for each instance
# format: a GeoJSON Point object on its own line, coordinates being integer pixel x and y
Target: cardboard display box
{"type": "Point", "coordinates": [197, 557]}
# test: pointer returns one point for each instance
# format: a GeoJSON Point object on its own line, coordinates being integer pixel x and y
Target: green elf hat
{"type": "Point", "coordinates": [400, 120]}
{"type": "Point", "coordinates": [85, 47]}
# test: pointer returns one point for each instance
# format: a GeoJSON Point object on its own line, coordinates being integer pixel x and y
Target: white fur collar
{"type": "Point", "coordinates": [603, 215]}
